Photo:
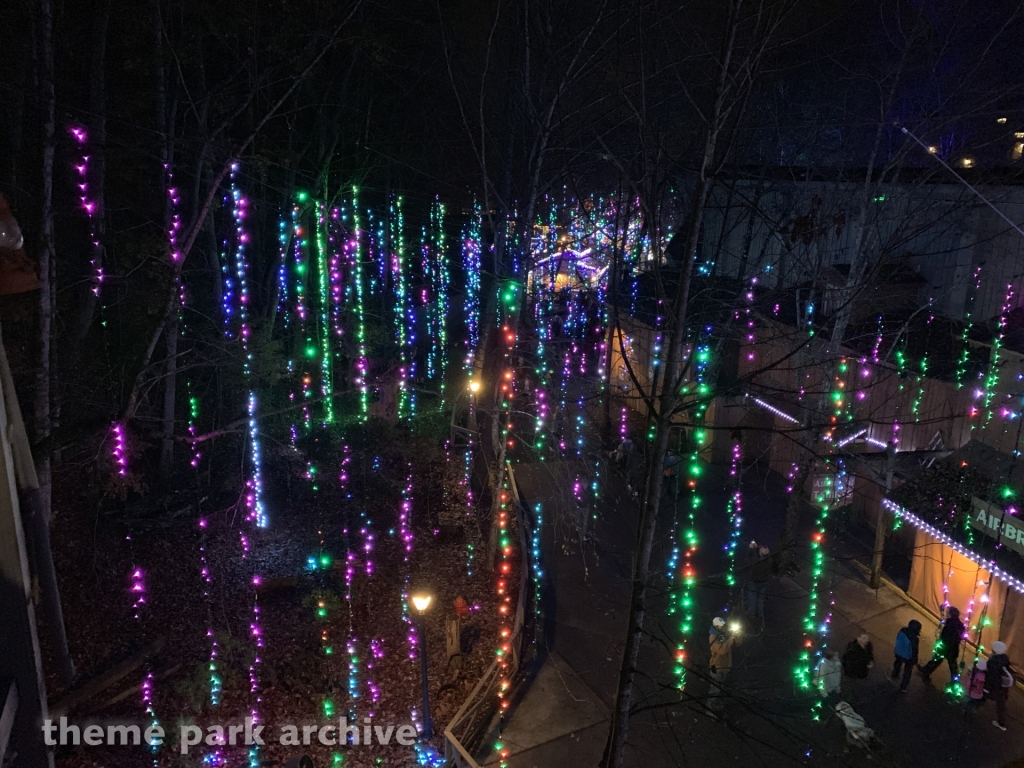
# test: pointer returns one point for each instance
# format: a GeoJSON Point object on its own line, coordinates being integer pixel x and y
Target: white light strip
{"type": "Point", "coordinates": [850, 439]}
{"type": "Point", "coordinates": [876, 443]}
{"type": "Point", "coordinates": [1011, 581]}
{"type": "Point", "coordinates": [776, 411]}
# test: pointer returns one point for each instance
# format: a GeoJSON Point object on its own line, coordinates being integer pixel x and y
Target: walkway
{"type": "Point", "coordinates": [562, 717]}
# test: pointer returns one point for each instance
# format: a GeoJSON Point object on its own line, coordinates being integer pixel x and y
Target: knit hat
{"type": "Point", "coordinates": [982, 665]}
{"type": "Point", "coordinates": [718, 622]}
{"type": "Point", "coordinates": [998, 647]}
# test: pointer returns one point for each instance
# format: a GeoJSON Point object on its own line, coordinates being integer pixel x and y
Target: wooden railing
{"type": "Point", "coordinates": [463, 734]}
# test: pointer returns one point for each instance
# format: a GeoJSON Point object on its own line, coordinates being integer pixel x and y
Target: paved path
{"type": "Point", "coordinates": [561, 718]}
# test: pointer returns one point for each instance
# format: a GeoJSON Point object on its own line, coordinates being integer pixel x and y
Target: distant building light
{"type": "Point", "coordinates": [1001, 120]}
{"type": "Point", "coordinates": [933, 150]}
{"type": "Point", "coordinates": [967, 162]}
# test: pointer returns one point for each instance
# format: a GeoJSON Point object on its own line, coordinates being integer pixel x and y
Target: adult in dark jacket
{"type": "Point", "coordinates": [998, 681]}
{"type": "Point", "coordinates": [948, 647]}
{"type": "Point", "coordinates": [907, 644]}
{"type": "Point", "coordinates": [760, 573]}
{"type": "Point", "coordinates": [858, 660]}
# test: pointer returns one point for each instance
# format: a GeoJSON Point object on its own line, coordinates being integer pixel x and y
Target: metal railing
{"type": "Point", "coordinates": [463, 734]}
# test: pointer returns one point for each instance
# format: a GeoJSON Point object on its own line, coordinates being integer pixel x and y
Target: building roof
{"type": "Point", "coordinates": [940, 498]}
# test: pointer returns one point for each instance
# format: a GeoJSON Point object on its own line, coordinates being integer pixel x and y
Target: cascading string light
{"type": "Point", "coordinates": [253, 497]}
{"type": "Point", "coordinates": [324, 283]}
{"type": "Point", "coordinates": [472, 244]}
{"type": "Point", "coordinates": [428, 291]}
{"type": "Point", "coordinates": [137, 590]}
{"type": "Point", "coordinates": [354, 252]}
{"type": "Point", "coordinates": [442, 288]}
{"type": "Point", "coordinates": [504, 650]}
{"type": "Point", "coordinates": [972, 295]}
{"type": "Point", "coordinates": [118, 453]}
{"type": "Point", "coordinates": [734, 510]}
{"type": "Point", "coordinates": [817, 622]}
{"type": "Point", "coordinates": [254, 484]}
{"type": "Point", "coordinates": [301, 264]}
{"type": "Point", "coordinates": [89, 206]}
{"type": "Point", "coordinates": [915, 408]}
{"type": "Point", "coordinates": [216, 682]}
{"type": "Point", "coordinates": [992, 377]}
{"type": "Point", "coordinates": [687, 579]}
{"type": "Point", "coordinates": [399, 310]}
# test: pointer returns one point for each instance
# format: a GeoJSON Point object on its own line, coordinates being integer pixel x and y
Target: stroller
{"type": "Point", "coordinates": [857, 732]}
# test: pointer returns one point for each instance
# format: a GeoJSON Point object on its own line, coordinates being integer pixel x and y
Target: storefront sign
{"type": "Point", "coordinates": [994, 522]}
{"type": "Point", "coordinates": [835, 489]}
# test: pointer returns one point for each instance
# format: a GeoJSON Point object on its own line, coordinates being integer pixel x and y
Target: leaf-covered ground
{"type": "Point", "coordinates": [97, 550]}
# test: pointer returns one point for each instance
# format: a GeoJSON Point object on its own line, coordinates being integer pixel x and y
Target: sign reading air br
{"type": "Point", "coordinates": [994, 522]}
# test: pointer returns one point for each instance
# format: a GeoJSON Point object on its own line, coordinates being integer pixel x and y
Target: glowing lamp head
{"type": "Point", "coordinates": [421, 601]}
{"type": "Point", "coordinates": [474, 386]}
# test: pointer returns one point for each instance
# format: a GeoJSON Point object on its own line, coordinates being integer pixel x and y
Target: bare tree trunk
{"type": "Point", "coordinates": [191, 233]}
{"type": "Point", "coordinates": [165, 132]}
{"type": "Point", "coordinates": [47, 294]}
{"type": "Point", "coordinates": [674, 366]}
{"type": "Point", "coordinates": [796, 494]}
{"type": "Point", "coordinates": [673, 363]}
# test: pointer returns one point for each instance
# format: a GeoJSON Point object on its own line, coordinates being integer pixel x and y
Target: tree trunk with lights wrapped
{"type": "Point", "coordinates": [664, 397]}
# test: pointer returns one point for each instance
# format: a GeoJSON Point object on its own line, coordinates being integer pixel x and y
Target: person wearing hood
{"type": "Point", "coordinates": [948, 647]}
{"type": "Point", "coordinates": [998, 681]}
{"type": "Point", "coordinates": [907, 644]}
{"type": "Point", "coordinates": [721, 644]}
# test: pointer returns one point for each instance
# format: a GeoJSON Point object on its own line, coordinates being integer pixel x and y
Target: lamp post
{"type": "Point", "coordinates": [421, 602]}
{"type": "Point", "coordinates": [462, 436]}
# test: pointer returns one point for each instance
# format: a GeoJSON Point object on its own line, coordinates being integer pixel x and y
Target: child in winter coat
{"type": "Point", "coordinates": [829, 675]}
{"type": "Point", "coordinates": [998, 681]}
{"type": "Point", "coordinates": [907, 642]}
{"type": "Point", "coordinates": [721, 645]}
{"type": "Point", "coordinates": [976, 686]}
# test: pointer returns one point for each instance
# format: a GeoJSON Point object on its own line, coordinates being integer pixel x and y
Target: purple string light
{"type": "Point", "coordinates": [89, 206]}
{"type": "Point", "coordinates": [118, 452]}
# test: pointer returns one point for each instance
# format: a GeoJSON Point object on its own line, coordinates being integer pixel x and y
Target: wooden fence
{"type": "Point", "coordinates": [464, 733]}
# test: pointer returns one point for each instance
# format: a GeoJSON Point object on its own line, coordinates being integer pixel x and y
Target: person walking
{"type": "Point", "coordinates": [670, 485]}
{"type": "Point", "coordinates": [999, 679]}
{"type": "Point", "coordinates": [721, 644]}
{"type": "Point", "coordinates": [858, 660]}
{"type": "Point", "coordinates": [828, 677]}
{"type": "Point", "coordinates": [621, 454]}
{"type": "Point", "coordinates": [907, 644]}
{"type": "Point", "coordinates": [760, 573]}
{"type": "Point", "coordinates": [976, 686]}
{"type": "Point", "coordinates": [948, 647]}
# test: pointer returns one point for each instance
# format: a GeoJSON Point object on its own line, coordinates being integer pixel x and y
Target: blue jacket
{"type": "Point", "coordinates": [907, 645]}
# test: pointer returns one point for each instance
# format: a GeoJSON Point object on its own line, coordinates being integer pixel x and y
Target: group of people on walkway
{"type": "Point", "coordinates": [989, 679]}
